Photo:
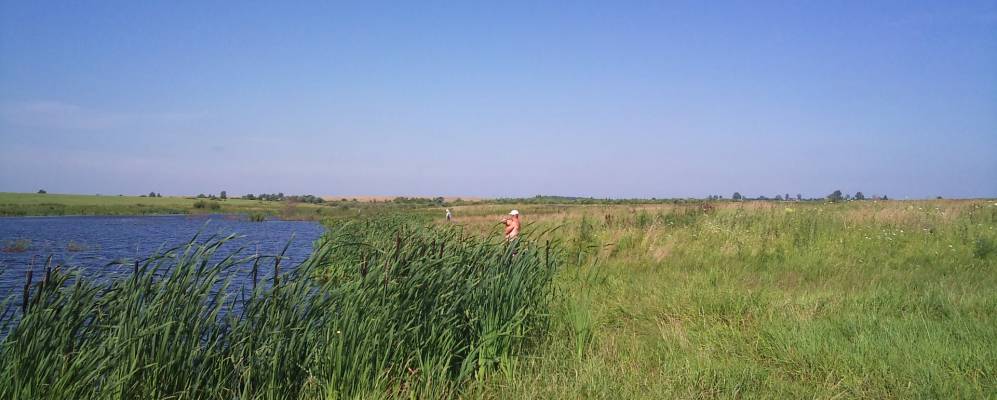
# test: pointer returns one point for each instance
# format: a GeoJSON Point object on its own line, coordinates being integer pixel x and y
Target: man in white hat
{"type": "Point", "coordinates": [511, 225]}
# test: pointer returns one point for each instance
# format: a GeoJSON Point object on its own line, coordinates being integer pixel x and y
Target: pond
{"type": "Point", "coordinates": [91, 243]}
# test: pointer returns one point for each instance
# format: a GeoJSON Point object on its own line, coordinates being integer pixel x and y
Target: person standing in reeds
{"type": "Point", "coordinates": [449, 216]}
{"type": "Point", "coordinates": [511, 225]}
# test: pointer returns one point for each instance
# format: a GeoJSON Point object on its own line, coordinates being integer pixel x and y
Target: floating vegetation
{"type": "Point", "coordinates": [16, 246]}
{"type": "Point", "coordinates": [75, 246]}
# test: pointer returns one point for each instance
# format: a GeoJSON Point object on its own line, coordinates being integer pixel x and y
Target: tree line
{"type": "Point", "coordinates": [834, 197]}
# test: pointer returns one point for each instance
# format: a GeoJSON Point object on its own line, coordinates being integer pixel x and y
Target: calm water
{"type": "Point", "coordinates": [92, 242]}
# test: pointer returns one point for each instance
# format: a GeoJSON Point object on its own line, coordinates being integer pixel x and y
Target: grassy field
{"type": "Point", "coordinates": [764, 299]}
{"type": "Point", "coordinates": [887, 299]}
{"type": "Point", "coordinates": [31, 204]}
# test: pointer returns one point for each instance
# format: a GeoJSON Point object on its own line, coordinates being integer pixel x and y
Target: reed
{"type": "Point", "coordinates": [380, 310]}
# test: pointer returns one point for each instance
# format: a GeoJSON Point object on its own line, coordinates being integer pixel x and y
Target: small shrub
{"type": "Point", "coordinates": [209, 205]}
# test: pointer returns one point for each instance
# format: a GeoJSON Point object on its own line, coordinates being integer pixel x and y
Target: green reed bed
{"type": "Point", "coordinates": [380, 310]}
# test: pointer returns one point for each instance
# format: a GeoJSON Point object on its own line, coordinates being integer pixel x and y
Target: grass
{"type": "Point", "coordinates": [775, 300]}
{"type": "Point", "coordinates": [32, 204]}
{"type": "Point", "coordinates": [887, 299]}
{"type": "Point", "coordinates": [380, 310]}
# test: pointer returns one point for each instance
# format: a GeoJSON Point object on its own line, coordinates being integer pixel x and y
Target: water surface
{"type": "Point", "coordinates": [91, 243]}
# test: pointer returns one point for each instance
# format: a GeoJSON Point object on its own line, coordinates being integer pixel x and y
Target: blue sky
{"type": "Point", "coordinates": [605, 99]}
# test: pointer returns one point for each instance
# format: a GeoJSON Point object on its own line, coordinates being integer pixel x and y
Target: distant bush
{"type": "Point", "coordinates": [270, 196]}
{"type": "Point", "coordinates": [41, 191]}
{"type": "Point", "coordinates": [209, 205]}
{"type": "Point", "coordinates": [306, 199]}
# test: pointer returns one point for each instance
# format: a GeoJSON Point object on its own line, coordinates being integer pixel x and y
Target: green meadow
{"type": "Point", "coordinates": [32, 204]}
{"type": "Point", "coordinates": [769, 300]}
{"type": "Point", "coordinates": [760, 299]}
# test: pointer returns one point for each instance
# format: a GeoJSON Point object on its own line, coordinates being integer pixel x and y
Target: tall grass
{"type": "Point", "coordinates": [858, 300]}
{"type": "Point", "coordinates": [380, 310]}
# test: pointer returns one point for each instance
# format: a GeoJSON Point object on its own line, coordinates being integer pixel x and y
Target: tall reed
{"type": "Point", "coordinates": [381, 309]}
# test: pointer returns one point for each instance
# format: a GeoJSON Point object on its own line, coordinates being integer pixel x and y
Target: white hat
{"type": "Point", "coordinates": [514, 212]}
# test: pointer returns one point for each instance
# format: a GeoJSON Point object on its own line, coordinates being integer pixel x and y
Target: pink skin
{"type": "Point", "coordinates": [511, 226]}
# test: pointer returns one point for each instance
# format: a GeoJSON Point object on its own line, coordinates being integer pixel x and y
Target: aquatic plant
{"type": "Point", "coordinates": [17, 246]}
{"type": "Point", "coordinates": [379, 310]}
{"type": "Point", "coordinates": [74, 246]}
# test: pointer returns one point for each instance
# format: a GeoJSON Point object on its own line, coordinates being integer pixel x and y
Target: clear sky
{"type": "Point", "coordinates": [604, 99]}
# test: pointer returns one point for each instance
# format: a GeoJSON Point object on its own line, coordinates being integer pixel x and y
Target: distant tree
{"type": "Point", "coordinates": [885, 198]}
{"type": "Point", "coordinates": [938, 198]}
{"type": "Point", "coordinates": [438, 201]}
{"type": "Point", "coordinates": [42, 191]}
{"type": "Point", "coordinates": [249, 197]}
{"type": "Point", "coordinates": [762, 197]}
{"type": "Point", "coordinates": [799, 197]}
{"type": "Point", "coordinates": [835, 197]}
{"type": "Point", "coordinates": [848, 197]}
{"type": "Point", "coordinates": [778, 197]}
{"type": "Point", "coordinates": [859, 196]}
{"type": "Point", "coordinates": [737, 196]}
{"type": "Point", "coordinates": [201, 196]}
{"type": "Point", "coordinates": [152, 194]}
{"type": "Point", "coordinates": [787, 197]}
{"type": "Point", "coordinates": [223, 195]}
